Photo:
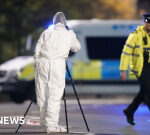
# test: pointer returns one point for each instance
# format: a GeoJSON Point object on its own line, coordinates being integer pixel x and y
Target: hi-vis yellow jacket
{"type": "Point", "coordinates": [132, 53]}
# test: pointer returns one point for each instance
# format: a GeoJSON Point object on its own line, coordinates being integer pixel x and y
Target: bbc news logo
{"type": "Point", "coordinates": [11, 120]}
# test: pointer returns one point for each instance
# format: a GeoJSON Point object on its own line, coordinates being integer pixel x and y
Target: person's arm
{"type": "Point", "coordinates": [126, 54]}
{"type": "Point", "coordinates": [76, 45]}
{"type": "Point", "coordinates": [38, 47]}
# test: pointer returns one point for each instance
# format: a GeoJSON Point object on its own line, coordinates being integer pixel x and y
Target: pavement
{"type": "Point", "coordinates": [104, 117]}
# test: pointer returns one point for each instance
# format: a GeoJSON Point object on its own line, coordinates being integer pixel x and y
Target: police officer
{"type": "Point", "coordinates": [136, 53]}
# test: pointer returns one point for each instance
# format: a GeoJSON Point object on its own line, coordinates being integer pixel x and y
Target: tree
{"type": "Point", "coordinates": [22, 17]}
{"type": "Point", "coordinates": [143, 6]}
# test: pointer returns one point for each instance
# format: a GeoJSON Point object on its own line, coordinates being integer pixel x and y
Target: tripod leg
{"type": "Point", "coordinates": [25, 113]}
{"type": "Point", "coordinates": [73, 85]}
{"type": "Point", "coordinates": [64, 98]}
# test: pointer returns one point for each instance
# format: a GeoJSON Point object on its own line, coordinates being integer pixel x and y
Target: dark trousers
{"type": "Point", "coordinates": [144, 93]}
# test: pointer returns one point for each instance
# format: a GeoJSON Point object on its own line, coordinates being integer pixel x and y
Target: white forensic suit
{"type": "Point", "coordinates": [50, 54]}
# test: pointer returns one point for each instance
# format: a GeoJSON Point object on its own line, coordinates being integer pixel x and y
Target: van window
{"type": "Point", "coordinates": [105, 47]}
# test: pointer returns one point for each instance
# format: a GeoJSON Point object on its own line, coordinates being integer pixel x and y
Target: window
{"type": "Point", "coordinates": [105, 47]}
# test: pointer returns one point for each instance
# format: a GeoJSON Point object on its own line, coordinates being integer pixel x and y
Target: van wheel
{"type": "Point", "coordinates": [18, 97]}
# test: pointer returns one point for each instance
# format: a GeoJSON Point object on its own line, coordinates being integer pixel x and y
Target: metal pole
{"type": "Point", "coordinates": [64, 98]}
{"type": "Point", "coordinates": [73, 85]}
{"type": "Point", "coordinates": [25, 113]}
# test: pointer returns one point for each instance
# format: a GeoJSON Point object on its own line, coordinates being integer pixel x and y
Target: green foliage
{"type": "Point", "coordinates": [7, 52]}
{"type": "Point", "coordinates": [18, 18]}
{"type": "Point", "coordinates": [143, 6]}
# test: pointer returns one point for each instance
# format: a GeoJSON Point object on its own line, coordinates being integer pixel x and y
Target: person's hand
{"type": "Point", "coordinates": [123, 75]}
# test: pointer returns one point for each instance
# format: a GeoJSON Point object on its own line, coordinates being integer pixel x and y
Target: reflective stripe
{"type": "Point", "coordinates": [128, 54]}
{"type": "Point", "coordinates": [137, 46]}
{"type": "Point", "coordinates": [129, 46]}
{"type": "Point", "coordinates": [135, 72]}
{"type": "Point", "coordinates": [136, 55]}
{"type": "Point", "coordinates": [145, 49]}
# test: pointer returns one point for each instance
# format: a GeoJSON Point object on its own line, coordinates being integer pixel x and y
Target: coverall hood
{"type": "Point", "coordinates": [59, 17]}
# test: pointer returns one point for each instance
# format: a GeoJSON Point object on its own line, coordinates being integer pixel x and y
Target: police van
{"type": "Point", "coordinates": [95, 68]}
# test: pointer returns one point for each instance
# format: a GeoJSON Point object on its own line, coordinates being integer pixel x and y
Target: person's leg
{"type": "Point", "coordinates": [139, 98]}
{"type": "Point", "coordinates": [53, 108]}
{"type": "Point", "coordinates": [130, 110]}
{"type": "Point", "coordinates": [146, 87]}
{"type": "Point", "coordinates": [40, 94]}
{"type": "Point", "coordinates": [132, 107]}
{"type": "Point", "coordinates": [41, 81]}
{"type": "Point", "coordinates": [55, 92]}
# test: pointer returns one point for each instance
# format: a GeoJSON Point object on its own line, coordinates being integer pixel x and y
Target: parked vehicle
{"type": "Point", "coordinates": [97, 62]}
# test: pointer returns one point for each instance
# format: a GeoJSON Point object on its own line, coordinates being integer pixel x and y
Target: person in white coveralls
{"type": "Point", "coordinates": [50, 56]}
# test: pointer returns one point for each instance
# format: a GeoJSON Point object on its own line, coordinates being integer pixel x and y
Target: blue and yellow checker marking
{"type": "Point", "coordinates": [97, 70]}
{"type": "Point", "coordinates": [89, 70]}
{"type": "Point", "coordinates": [110, 69]}
{"type": "Point", "coordinates": [27, 73]}
{"type": "Point", "coordinates": [81, 70]}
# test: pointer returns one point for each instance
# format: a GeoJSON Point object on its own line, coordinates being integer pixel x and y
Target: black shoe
{"type": "Point", "coordinates": [129, 117]}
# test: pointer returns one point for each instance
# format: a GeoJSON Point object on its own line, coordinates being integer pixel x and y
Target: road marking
{"type": "Point", "coordinates": [33, 123]}
{"type": "Point", "coordinates": [32, 120]}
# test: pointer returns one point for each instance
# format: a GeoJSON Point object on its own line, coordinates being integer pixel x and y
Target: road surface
{"type": "Point", "coordinates": [104, 116]}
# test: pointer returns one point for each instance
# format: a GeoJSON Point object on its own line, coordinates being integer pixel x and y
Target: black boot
{"type": "Point", "coordinates": [129, 117]}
